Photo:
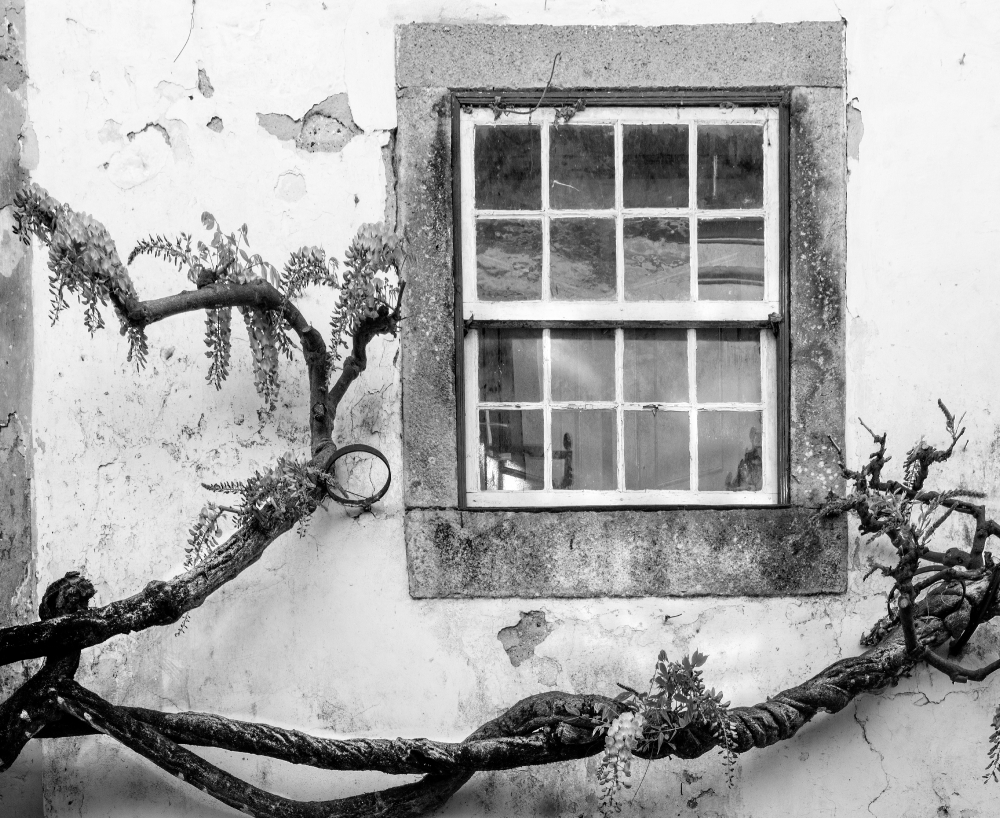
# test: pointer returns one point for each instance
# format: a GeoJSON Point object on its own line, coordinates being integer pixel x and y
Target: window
{"type": "Point", "coordinates": [620, 278]}
{"type": "Point", "coordinates": [599, 536]}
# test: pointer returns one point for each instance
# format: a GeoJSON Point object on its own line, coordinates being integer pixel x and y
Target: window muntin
{"type": "Point", "coordinates": [618, 275]}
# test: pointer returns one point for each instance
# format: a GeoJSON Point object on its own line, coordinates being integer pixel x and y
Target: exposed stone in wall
{"type": "Point", "coordinates": [818, 258]}
{"type": "Point", "coordinates": [624, 552]}
{"type": "Point", "coordinates": [326, 127]}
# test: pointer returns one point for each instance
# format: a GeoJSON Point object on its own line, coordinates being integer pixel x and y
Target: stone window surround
{"type": "Point", "coordinates": [453, 552]}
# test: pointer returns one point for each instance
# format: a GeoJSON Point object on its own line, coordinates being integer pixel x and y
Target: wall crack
{"type": "Point", "coordinates": [874, 749]}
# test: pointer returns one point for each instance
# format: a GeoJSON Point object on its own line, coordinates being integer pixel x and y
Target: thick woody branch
{"type": "Point", "coordinates": [32, 706]}
{"type": "Point", "coordinates": [159, 603]}
{"type": "Point", "coordinates": [420, 756]}
{"type": "Point", "coordinates": [408, 800]}
{"type": "Point", "coordinates": [541, 729]}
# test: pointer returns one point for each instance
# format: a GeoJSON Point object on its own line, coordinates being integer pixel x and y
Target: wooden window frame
{"type": "Point", "coordinates": [770, 107]}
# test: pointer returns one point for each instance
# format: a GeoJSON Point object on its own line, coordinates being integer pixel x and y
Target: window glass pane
{"type": "Point", "coordinates": [508, 260]}
{"type": "Point", "coordinates": [656, 369]}
{"type": "Point", "coordinates": [657, 259]}
{"type": "Point", "coordinates": [729, 451]}
{"type": "Point", "coordinates": [728, 365]}
{"type": "Point", "coordinates": [656, 451]}
{"type": "Point", "coordinates": [730, 166]}
{"type": "Point", "coordinates": [731, 259]}
{"type": "Point", "coordinates": [508, 162]}
{"type": "Point", "coordinates": [511, 450]}
{"type": "Point", "coordinates": [583, 449]}
{"type": "Point", "coordinates": [583, 364]}
{"type": "Point", "coordinates": [510, 365]}
{"type": "Point", "coordinates": [582, 167]}
{"type": "Point", "coordinates": [582, 259]}
{"type": "Point", "coordinates": [655, 165]}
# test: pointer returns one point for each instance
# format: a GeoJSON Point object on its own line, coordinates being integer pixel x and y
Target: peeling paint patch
{"type": "Point", "coordinates": [291, 186]}
{"type": "Point", "coordinates": [389, 164]}
{"type": "Point", "coordinates": [326, 127]}
{"type": "Point", "coordinates": [156, 126]}
{"type": "Point", "coordinates": [520, 640]}
{"type": "Point", "coordinates": [141, 158]}
{"type": "Point", "coordinates": [28, 142]}
{"type": "Point", "coordinates": [855, 129]}
{"type": "Point", "coordinates": [214, 124]}
{"type": "Point", "coordinates": [205, 87]}
{"type": "Point", "coordinates": [11, 248]}
{"type": "Point", "coordinates": [110, 131]}
{"type": "Point", "coordinates": [12, 73]}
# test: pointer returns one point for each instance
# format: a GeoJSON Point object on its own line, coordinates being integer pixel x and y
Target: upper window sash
{"type": "Point", "coordinates": [618, 309]}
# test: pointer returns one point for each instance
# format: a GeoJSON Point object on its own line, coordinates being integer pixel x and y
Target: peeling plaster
{"type": "Point", "coordinates": [28, 144]}
{"type": "Point", "coordinates": [214, 124]}
{"type": "Point", "coordinates": [520, 640]}
{"type": "Point", "coordinates": [11, 247]}
{"type": "Point", "coordinates": [145, 154]}
{"type": "Point", "coordinates": [326, 127]}
{"type": "Point", "coordinates": [291, 187]}
{"type": "Point", "coordinates": [156, 126]}
{"type": "Point", "coordinates": [205, 87]}
{"type": "Point", "coordinates": [855, 129]}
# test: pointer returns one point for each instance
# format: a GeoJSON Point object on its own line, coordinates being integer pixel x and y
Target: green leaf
{"type": "Point", "coordinates": [208, 220]}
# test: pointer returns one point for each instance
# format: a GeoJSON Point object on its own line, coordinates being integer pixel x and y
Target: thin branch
{"type": "Point", "coordinates": [548, 84]}
{"type": "Point", "coordinates": [356, 363]}
{"type": "Point", "coordinates": [259, 295]}
{"type": "Point", "coordinates": [956, 672]}
{"type": "Point", "coordinates": [978, 615]}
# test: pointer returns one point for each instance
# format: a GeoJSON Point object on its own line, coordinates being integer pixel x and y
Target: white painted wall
{"type": "Point", "coordinates": [322, 634]}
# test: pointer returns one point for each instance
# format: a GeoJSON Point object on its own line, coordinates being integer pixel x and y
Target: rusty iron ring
{"type": "Point", "coordinates": [364, 502]}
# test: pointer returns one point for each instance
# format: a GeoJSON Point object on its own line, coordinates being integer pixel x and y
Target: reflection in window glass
{"type": "Point", "coordinates": [656, 451]}
{"type": "Point", "coordinates": [508, 167]}
{"type": "Point", "coordinates": [730, 166]}
{"type": "Point", "coordinates": [731, 259]}
{"type": "Point", "coordinates": [508, 260]}
{"type": "Point", "coordinates": [582, 167]}
{"type": "Point", "coordinates": [655, 165]}
{"type": "Point", "coordinates": [511, 450]}
{"type": "Point", "coordinates": [582, 260]}
{"type": "Point", "coordinates": [728, 365]}
{"type": "Point", "coordinates": [583, 449]}
{"type": "Point", "coordinates": [510, 365]}
{"type": "Point", "coordinates": [730, 457]}
{"type": "Point", "coordinates": [657, 259]}
{"type": "Point", "coordinates": [583, 364]}
{"type": "Point", "coordinates": [656, 368]}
